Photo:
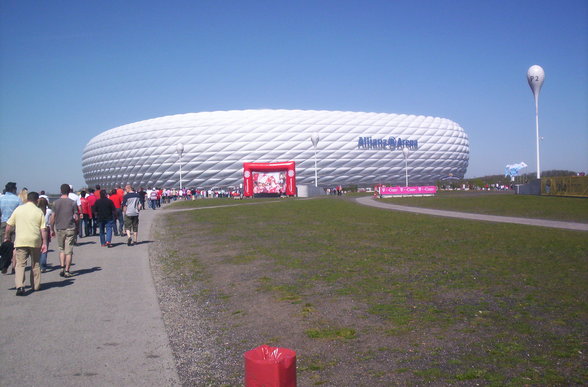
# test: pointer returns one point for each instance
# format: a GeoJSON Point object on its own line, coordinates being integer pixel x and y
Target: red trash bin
{"type": "Point", "coordinates": [267, 366]}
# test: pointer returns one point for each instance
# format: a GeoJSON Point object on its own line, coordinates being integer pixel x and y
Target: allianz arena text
{"type": "Point", "coordinates": [353, 148]}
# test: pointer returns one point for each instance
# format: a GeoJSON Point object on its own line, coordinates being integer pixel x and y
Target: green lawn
{"type": "Point", "coordinates": [437, 299]}
{"type": "Point", "coordinates": [506, 204]}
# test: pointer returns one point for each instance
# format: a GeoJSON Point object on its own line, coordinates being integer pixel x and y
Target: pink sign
{"type": "Point", "coordinates": [419, 190]}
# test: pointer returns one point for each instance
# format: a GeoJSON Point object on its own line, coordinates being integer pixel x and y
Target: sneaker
{"type": "Point", "coordinates": [67, 274]}
{"type": "Point", "coordinates": [43, 270]}
{"type": "Point", "coordinates": [62, 273]}
{"type": "Point", "coordinates": [20, 291]}
{"type": "Point", "coordinates": [108, 245]}
{"type": "Point", "coordinates": [130, 242]}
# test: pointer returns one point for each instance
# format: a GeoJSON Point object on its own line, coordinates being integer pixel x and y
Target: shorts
{"type": "Point", "coordinates": [132, 223]}
{"type": "Point", "coordinates": [66, 240]}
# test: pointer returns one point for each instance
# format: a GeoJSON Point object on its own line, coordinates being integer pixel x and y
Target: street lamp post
{"type": "Point", "coordinates": [180, 150]}
{"type": "Point", "coordinates": [405, 153]}
{"type": "Point", "coordinates": [315, 139]}
{"type": "Point", "coordinates": [536, 76]}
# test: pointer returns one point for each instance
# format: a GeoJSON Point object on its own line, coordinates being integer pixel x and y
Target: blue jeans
{"type": "Point", "coordinates": [84, 225]}
{"type": "Point", "coordinates": [43, 260]}
{"type": "Point", "coordinates": [105, 226]}
{"type": "Point", "coordinates": [121, 221]}
{"type": "Point", "coordinates": [87, 225]}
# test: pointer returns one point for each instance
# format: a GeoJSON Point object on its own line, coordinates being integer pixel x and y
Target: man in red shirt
{"type": "Point", "coordinates": [86, 214]}
{"type": "Point", "coordinates": [117, 200]}
{"type": "Point", "coordinates": [91, 198]}
{"type": "Point", "coordinates": [97, 192]}
{"type": "Point", "coordinates": [159, 195]}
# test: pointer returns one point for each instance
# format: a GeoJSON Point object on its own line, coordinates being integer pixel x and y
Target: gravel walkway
{"type": "Point", "coordinates": [369, 201]}
{"type": "Point", "coordinates": [102, 327]}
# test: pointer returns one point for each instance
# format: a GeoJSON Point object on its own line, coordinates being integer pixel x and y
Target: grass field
{"type": "Point", "coordinates": [372, 297]}
{"type": "Point", "coordinates": [506, 204]}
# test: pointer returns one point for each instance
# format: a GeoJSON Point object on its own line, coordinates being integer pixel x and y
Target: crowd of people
{"type": "Point", "coordinates": [156, 196]}
{"type": "Point", "coordinates": [28, 222]}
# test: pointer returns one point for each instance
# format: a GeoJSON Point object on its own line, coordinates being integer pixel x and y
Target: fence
{"type": "Point", "coordinates": [565, 186]}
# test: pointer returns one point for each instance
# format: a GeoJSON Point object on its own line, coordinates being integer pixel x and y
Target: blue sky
{"type": "Point", "coordinates": [70, 70]}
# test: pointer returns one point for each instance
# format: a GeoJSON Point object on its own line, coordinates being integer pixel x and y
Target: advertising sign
{"type": "Point", "coordinates": [269, 182]}
{"type": "Point", "coordinates": [428, 190]}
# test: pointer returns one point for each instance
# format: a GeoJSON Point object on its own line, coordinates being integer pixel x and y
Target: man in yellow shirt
{"type": "Point", "coordinates": [30, 240]}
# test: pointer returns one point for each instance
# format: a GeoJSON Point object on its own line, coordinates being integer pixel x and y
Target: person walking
{"type": "Point", "coordinates": [131, 206]}
{"type": "Point", "coordinates": [105, 213]}
{"type": "Point", "coordinates": [43, 204]}
{"type": "Point", "coordinates": [30, 241]}
{"type": "Point", "coordinates": [142, 194]}
{"type": "Point", "coordinates": [96, 197]}
{"type": "Point", "coordinates": [23, 195]}
{"type": "Point", "coordinates": [86, 214]}
{"type": "Point", "coordinates": [152, 195]}
{"type": "Point", "coordinates": [63, 225]}
{"type": "Point", "coordinates": [8, 203]}
{"type": "Point", "coordinates": [119, 213]}
{"type": "Point", "coordinates": [91, 198]}
{"type": "Point", "coordinates": [73, 196]}
{"type": "Point", "coordinates": [117, 200]}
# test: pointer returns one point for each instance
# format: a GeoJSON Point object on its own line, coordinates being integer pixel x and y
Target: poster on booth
{"type": "Point", "coordinates": [269, 182]}
{"type": "Point", "coordinates": [269, 179]}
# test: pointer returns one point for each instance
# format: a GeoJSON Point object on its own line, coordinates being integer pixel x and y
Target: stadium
{"type": "Point", "coordinates": [353, 148]}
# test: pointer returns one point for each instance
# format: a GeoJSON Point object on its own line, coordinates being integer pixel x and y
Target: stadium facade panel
{"type": "Point", "coordinates": [354, 148]}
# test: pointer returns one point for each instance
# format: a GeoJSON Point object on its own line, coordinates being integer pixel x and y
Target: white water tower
{"type": "Point", "coordinates": [536, 76]}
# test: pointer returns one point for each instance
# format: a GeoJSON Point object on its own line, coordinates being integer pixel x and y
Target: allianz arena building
{"type": "Point", "coordinates": [352, 148]}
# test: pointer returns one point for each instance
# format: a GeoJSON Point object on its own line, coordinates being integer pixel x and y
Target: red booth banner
{"type": "Point", "coordinates": [269, 178]}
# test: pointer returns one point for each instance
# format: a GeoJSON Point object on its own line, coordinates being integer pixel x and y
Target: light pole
{"type": "Point", "coordinates": [405, 153]}
{"type": "Point", "coordinates": [180, 150]}
{"type": "Point", "coordinates": [536, 76]}
{"type": "Point", "coordinates": [315, 139]}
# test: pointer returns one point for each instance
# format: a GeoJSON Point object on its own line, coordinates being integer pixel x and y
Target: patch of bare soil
{"type": "Point", "coordinates": [230, 307]}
